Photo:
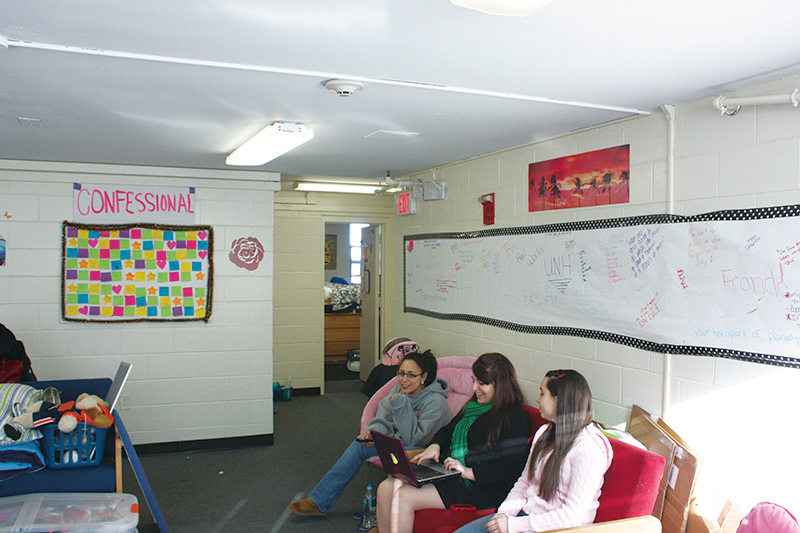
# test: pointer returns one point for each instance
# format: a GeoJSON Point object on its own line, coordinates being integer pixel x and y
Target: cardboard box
{"type": "Point", "coordinates": [727, 522]}
{"type": "Point", "coordinates": [699, 523]}
{"type": "Point", "coordinates": [729, 517]}
{"type": "Point", "coordinates": [682, 481]}
{"type": "Point", "coordinates": [644, 429]}
{"type": "Point", "coordinates": [681, 471]}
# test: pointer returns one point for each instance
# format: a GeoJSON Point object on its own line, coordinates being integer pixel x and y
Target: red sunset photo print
{"type": "Point", "coordinates": [593, 178]}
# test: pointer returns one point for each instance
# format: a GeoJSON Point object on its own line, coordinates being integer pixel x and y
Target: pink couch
{"type": "Point", "coordinates": [455, 370]}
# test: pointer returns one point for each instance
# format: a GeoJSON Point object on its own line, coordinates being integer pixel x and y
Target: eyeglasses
{"type": "Point", "coordinates": [409, 375]}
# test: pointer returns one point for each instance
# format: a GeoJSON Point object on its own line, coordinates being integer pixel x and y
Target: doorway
{"type": "Point", "coordinates": [352, 313]}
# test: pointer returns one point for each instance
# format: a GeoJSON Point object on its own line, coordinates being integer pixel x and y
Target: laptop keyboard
{"type": "Point", "coordinates": [423, 472]}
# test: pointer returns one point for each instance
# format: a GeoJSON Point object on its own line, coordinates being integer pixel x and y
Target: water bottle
{"type": "Point", "coordinates": [369, 520]}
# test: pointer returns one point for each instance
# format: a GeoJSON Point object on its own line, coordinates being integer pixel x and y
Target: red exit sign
{"type": "Point", "coordinates": [406, 204]}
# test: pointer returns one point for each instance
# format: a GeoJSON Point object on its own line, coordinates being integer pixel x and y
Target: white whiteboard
{"type": "Point", "coordinates": [725, 284]}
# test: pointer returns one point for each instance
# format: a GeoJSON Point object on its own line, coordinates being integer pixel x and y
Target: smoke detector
{"type": "Point", "coordinates": [344, 87]}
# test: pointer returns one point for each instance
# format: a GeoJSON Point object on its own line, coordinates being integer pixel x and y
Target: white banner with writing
{"type": "Point", "coordinates": [725, 284]}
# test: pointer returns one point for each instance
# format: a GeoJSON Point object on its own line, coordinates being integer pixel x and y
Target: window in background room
{"type": "Point", "coordinates": [355, 252]}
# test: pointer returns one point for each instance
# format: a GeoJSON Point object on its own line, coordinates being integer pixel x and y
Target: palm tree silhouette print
{"type": "Point", "coordinates": [542, 192]}
{"type": "Point", "coordinates": [555, 192]}
{"type": "Point", "coordinates": [626, 179]}
{"type": "Point", "coordinates": [607, 185]}
{"type": "Point", "coordinates": [593, 185]}
{"type": "Point", "coordinates": [577, 188]}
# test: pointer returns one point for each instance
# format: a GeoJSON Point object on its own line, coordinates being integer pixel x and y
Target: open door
{"type": "Point", "coordinates": [371, 343]}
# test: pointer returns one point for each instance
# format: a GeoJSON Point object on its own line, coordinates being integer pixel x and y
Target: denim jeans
{"type": "Point", "coordinates": [476, 526]}
{"type": "Point", "coordinates": [333, 484]}
{"type": "Point", "coordinates": [479, 525]}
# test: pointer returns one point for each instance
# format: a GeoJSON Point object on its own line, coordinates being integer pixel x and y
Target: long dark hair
{"type": "Point", "coordinates": [495, 368]}
{"type": "Point", "coordinates": [426, 362]}
{"type": "Point", "coordinates": [573, 413]}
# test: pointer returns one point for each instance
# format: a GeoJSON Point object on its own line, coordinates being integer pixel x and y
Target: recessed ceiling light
{"type": "Point", "coordinates": [30, 122]}
{"type": "Point", "coordinates": [380, 133]}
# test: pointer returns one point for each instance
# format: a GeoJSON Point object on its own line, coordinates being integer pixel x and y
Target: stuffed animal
{"type": "Point", "coordinates": [87, 408]}
{"type": "Point", "coordinates": [35, 415]}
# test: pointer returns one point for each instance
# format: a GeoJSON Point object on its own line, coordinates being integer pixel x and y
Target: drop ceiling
{"type": "Point", "coordinates": [182, 83]}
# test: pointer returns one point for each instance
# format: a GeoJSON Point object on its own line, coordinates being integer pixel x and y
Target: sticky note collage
{"type": "Point", "coordinates": [136, 273]}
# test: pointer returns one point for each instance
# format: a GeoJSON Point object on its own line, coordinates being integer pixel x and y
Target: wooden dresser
{"type": "Point", "coordinates": [342, 333]}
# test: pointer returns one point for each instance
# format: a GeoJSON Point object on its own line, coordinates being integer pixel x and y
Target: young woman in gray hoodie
{"type": "Point", "coordinates": [413, 411]}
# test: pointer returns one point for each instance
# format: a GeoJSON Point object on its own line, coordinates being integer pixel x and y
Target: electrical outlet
{"type": "Point", "coordinates": [124, 402]}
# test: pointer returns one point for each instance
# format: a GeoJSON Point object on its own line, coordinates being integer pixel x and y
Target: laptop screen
{"type": "Point", "coordinates": [116, 386]}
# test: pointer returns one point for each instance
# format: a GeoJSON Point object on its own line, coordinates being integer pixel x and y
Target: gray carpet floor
{"type": "Point", "coordinates": [248, 489]}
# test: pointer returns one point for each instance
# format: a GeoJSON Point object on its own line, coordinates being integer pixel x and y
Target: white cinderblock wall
{"type": "Point", "coordinates": [734, 412]}
{"type": "Point", "coordinates": [190, 380]}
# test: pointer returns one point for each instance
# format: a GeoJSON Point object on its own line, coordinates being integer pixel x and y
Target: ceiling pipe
{"type": "Point", "coordinates": [318, 74]}
{"type": "Point", "coordinates": [669, 111]}
{"type": "Point", "coordinates": [731, 106]}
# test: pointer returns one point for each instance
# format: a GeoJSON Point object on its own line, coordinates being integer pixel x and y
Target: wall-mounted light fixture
{"type": "Point", "coordinates": [270, 143]}
{"type": "Point", "coordinates": [320, 186]}
{"type": "Point", "coordinates": [513, 8]}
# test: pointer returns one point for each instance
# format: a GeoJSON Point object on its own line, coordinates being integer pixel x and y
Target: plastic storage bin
{"type": "Point", "coordinates": [82, 447]}
{"type": "Point", "coordinates": [66, 512]}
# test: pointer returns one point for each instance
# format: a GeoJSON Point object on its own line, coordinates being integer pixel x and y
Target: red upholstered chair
{"type": "Point", "coordinates": [629, 490]}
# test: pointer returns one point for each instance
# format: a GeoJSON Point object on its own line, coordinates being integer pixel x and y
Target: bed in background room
{"type": "Point", "coordinates": [342, 320]}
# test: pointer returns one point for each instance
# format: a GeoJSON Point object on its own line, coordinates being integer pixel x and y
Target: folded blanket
{"type": "Point", "coordinates": [18, 459]}
{"type": "Point", "coordinates": [343, 296]}
{"type": "Point", "coordinates": [14, 397]}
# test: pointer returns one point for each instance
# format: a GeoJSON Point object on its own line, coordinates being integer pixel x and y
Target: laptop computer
{"type": "Point", "coordinates": [115, 390]}
{"type": "Point", "coordinates": [395, 462]}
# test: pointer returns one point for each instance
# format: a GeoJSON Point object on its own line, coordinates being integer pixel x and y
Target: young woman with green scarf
{"type": "Point", "coordinates": [487, 442]}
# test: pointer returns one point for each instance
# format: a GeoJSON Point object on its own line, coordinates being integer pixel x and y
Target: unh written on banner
{"type": "Point", "coordinates": [112, 204]}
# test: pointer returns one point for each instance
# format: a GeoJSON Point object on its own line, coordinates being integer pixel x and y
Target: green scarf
{"type": "Point", "coordinates": [458, 445]}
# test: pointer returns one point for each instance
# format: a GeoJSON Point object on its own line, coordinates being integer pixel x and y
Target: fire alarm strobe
{"type": "Point", "coordinates": [488, 208]}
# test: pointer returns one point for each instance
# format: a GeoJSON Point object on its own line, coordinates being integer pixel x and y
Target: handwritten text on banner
{"type": "Point", "coordinates": [110, 204]}
{"type": "Point", "coordinates": [719, 284]}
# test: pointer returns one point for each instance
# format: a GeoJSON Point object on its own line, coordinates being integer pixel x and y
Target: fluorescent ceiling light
{"type": "Point", "coordinates": [270, 143]}
{"type": "Point", "coordinates": [514, 8]}
{"type": "Point", "coordinates": [319, 186]}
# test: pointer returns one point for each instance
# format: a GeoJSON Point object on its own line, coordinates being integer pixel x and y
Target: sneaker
{"type": "Point", "coordinates": [306, 507]}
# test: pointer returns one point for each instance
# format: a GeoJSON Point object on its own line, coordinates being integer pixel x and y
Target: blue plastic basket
{"type": "Point", "coordinates": [82, 447]}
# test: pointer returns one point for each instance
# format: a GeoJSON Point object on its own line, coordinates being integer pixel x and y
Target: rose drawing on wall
{"type": "Point", "coordinates": [246, 252]}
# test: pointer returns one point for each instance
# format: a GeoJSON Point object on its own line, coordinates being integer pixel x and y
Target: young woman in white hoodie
{"type": "Point", "coordinates": [413, 411]}
{"type": "Point", "coordinates": [560, 485]}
